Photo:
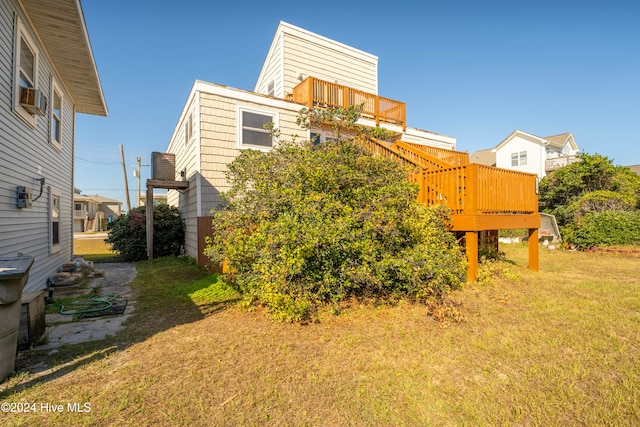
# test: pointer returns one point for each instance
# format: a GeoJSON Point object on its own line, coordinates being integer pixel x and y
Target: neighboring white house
{"type": "Point", "coordinates": [218, 121]}
{"type": "Point", "coordinates": [48, 74]}
{"type": "Point", "coordinates": [524, 152]}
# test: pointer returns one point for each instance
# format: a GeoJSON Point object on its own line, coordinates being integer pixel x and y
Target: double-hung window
{"type": "Point", "coordinates": [252, 129]}
{"type": "Point", "coordinates": [56, 116]}
{"type": "Point", "coordinates": [519, 158]}
{"type": "Point", "coordinates": [25, 71]}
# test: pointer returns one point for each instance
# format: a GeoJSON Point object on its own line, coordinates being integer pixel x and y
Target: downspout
{"type": "Point", "coordinates": [73, 175]}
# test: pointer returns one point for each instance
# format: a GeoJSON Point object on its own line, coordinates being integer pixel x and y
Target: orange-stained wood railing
{"type": "Point", "coordinates": [387, 149]}
{"type": "Point", "coordinates": [478, 189]}
{"type": "Point", "coordinates": [420, 157]}
{"type": "Point", "coordinates": [470, 191]}
{"type": "Point", "coordinates": [453, 158]}
{"type": "Point", "coordinates": [314, 92]}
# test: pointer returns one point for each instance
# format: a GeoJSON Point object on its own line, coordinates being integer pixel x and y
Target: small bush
{"type": "Point", "coordinates": [128, 233]}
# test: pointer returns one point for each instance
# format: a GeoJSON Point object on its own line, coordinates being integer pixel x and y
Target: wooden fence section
{"type": "Point", "coordinates": [315, 92]}
{"type": "Point", "coordinates": [475, 189]}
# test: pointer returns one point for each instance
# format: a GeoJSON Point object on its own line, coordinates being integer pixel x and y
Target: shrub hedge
{"type": "Point", "coordinates": [307, 226]}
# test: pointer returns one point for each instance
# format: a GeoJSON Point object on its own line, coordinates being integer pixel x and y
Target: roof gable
{"type": "Point", "coordinates": [276, 51]}
{"type": "Point", "coordinates": [526, 136]}
{"type": "Point", "coordinates": [563, 139]}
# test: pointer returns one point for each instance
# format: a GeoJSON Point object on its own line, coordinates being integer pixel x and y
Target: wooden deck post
{"type": "Point", "coordinates": [533, 249]}
{"type": "Point", "coordinates": [471, 249]}
{"type": "Point", "coordinates": [149, 223]}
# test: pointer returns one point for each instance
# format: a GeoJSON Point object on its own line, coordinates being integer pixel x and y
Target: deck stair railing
{"type": "Point", "coordinates": [479, 197]}
{"type": "Point", "coordinates": [453, 158]}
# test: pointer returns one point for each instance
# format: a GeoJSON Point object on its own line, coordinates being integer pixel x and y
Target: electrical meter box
{"type": "Point", "coordinates": [24, 197]}
{"type": "Point", "coordinates": [163, 166]}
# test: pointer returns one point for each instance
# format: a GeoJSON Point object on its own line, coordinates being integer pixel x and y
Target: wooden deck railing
{"type": "Point", "coordinates": [479, 197]}
{"type": "Point", "coordinates": [314, 92]}
{"type": "Point", "coordinates": [388, 150]}
{"type": "Point", "coordinates": [419, 157]}
{"type": "Point", "coordinates": [478, 189]}
{"type": "Point", "coordinates": [453, 158]}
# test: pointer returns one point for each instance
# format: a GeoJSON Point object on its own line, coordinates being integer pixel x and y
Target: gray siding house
{"type": "Point", "coordinates": [48, 74]}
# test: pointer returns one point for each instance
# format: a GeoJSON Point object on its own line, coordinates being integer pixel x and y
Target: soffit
{"type": "Point", "coordinates": [61, 28]}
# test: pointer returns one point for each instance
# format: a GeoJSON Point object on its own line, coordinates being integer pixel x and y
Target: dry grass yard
{"type": "Point", "coordinates": [557, 347]}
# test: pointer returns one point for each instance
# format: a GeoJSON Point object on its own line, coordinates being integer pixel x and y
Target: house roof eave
{"type": "Point", "coordinates": [63, 32]}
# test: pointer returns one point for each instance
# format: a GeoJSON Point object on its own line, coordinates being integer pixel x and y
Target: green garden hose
{"type": "Point", "coordinates": [103, 299]}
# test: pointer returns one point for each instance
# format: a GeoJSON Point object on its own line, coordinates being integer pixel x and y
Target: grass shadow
{"type": "Point", "coordinates": [167, 292]}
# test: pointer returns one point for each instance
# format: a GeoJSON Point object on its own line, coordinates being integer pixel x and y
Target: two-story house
{"type": "Point", "coordinates": [93, 212]}
{"type": "Point", "coordinates": [524, 152]}
{"type": "Point", "coordinates": [48, 74]}
{"type": "Point", "coordinates": [301, 68]}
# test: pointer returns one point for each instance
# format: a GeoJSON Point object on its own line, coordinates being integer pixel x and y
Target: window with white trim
{"type": "Point", "coordinates": [251, 128]}
{"type": "Point", "coordinates": [188, 129]}
{"type": "Point", "coordinates": [54, 216]}
{"type": "Point", "coordinates": [25, 71]}
{"type": "Point", "coordinates": [56, 116]}
{"type": "Point", "coordinates": [519, 159]}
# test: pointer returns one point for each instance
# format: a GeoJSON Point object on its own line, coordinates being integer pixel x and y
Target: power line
{"type": "Point", "coordinates": [101, 163]}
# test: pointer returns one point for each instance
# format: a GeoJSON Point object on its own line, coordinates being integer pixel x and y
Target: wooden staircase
{"type": "Point", "coordinates": [481, 198]}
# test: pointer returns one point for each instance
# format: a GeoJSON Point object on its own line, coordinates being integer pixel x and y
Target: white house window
{"type": "Point", "coordinates": [519, 159]}
{"type": "Point", "coordinates": [56, 117]}
{"type": "Point", "coordinates": [188, 129]}
{"type": "Point", "coordinates": [54, 215]}
{"type": "Point", "coordinates": [25, 71]}
{"type": "Point", "coordinates": [271, 89]}
{"type": "Point", "coordinates": [251, 128]}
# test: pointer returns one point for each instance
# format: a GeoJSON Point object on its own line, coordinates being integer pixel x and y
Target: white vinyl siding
{"type": "Point", "coordinates": [28, 155]}
{"type": "Point", "coordinates": [26, 63]}
{"type": "Point", "coordinates": [522, 152]}
{"type": "Point", "coordinates": [55, 114]}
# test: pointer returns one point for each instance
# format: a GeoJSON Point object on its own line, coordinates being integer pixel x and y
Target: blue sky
{"type": "Point", "coordinates": [474, 70]}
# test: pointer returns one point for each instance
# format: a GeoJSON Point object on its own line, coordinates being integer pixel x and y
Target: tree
{"type": "Point", "coordinates": [307, 226]}
{"type": "Point", "coordinates": [128, 233]}
{"type": "Point", "coordinates": [589, 193]}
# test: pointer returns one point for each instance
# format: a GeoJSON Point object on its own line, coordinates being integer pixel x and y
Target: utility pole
{"type": "Point", "coordinates": [136, 173]}
{"type": "Point", "coordinates": [126, 183]}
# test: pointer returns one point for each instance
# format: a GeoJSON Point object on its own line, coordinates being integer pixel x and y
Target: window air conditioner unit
{"type": "Point", "coordinates": [33, 100]}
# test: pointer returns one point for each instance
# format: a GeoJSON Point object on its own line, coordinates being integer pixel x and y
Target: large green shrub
{"type": "Point", "coordinates": [128, 233]}
{"type": "Point", "coordinates": [606, 228]}
{"type": "Point", "coordinates": [308, 226]}
{"type": "Point", "coordinates": [586, 194]}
